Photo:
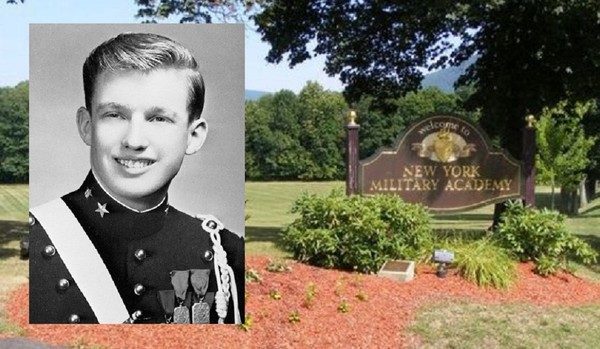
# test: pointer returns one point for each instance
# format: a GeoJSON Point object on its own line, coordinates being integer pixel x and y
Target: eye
{"type": "Point", "coordinates": [112, 115]}
{"type": "Point", "coordinates": [158, 118]}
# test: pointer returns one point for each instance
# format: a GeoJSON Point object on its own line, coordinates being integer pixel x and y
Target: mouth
{"type": "Point", "coordinates": [135, 164]}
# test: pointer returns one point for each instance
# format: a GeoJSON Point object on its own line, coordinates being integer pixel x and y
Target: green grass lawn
{"type": "Point", "coordinates": [467, 325]}
{"type": "Point", "coordinates": [14, 200]}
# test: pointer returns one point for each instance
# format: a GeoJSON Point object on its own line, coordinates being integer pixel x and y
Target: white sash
{"type": "Point", "coordinates": [82, 260]}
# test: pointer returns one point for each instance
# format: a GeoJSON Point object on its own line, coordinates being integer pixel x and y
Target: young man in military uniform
{"type": "Point", "coordinates": [114, 250]}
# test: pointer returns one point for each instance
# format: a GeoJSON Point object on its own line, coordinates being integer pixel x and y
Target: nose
{"type": "Point", "coordinates": [134, 137]}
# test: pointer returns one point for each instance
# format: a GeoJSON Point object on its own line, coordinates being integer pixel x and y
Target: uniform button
{"type": "Point", "coordinates": [63, 284]}
{"type": "Point", "coordinates": [211, 224]}
{"type": "Point", "coordinates": [74, 319]}
{"type": "Point", "coordinates": [140, 254]}
{"type": "Point", "coordinates": [138, 289]}
{"type": "Point", "coordinates": [31, 220]}
{"type": "Point", "coordinates": [208, 255]}
{"type": "Point", "coordinates": [49, 251]}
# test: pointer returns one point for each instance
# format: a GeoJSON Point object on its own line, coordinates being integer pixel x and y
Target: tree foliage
{"type": "Point", "coordinates": [197, 11]}
{"type": "Point", "coordinates": [563, 147]}
{"type": "Point", "coordinates": [14, 145]}
{"type": "Point", "coordinates": [302, 136]}
{"type": "Point", "coordinates": [292, 136]}
{"type": "Point", "coordinates": [381, 126]}
{"type": "Point", "coordinates": [531, 53]}
{"type": "Point", "coordinates": [591, 126]}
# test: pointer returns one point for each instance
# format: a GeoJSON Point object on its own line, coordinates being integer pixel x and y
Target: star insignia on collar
{"type": "Point", "coordinates": [88, 193]}
{"type": "Point", "coordinates": [102, 210]}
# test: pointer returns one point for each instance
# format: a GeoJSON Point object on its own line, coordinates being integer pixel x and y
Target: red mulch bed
{"type": "Point", "coordinates": [378, 321]}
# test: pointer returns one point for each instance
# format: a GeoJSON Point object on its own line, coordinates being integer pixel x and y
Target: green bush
{"type": "Point", "coordinates": [356, 232]}
{"type": "Point", "coordinates": [484, 262]}
{"type": "Point", "coordinates": [541, 236]}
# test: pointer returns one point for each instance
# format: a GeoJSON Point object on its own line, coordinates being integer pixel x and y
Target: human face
{"type": "Point", "coordinates": [139, 132]}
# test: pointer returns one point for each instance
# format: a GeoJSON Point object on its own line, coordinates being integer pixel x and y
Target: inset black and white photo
{"type": "Point", "coordinates": [136, 173]}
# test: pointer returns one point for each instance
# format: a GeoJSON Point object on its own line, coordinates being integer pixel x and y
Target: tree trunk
{"type": "Point", "coordinates": [591, 187]}
{"type": "Point", "coordinates": [583, 199]}
{"type": "Point", "coordinates": [569, 203]}
{"type": "Point", "coordinates": [552, 193]}
{"type": "Point", "coordinates": [499, 208]}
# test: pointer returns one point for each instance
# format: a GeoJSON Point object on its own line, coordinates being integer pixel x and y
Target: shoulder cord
{"type": "Point", "coordinates": [224, 275]}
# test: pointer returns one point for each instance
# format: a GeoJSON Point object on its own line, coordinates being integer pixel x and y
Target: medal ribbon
{"type": "Point", "coordinates": [180, 282]}
{"type": "Point", "coordinates": [199, 280]}
{"type": "Point", "coordinates": [167, 301]}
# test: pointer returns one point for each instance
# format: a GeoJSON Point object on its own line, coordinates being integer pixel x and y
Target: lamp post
{"type": "Point", "coordinates": [528, 156]}
{"type": "Point", "coordinates": [352, 154]}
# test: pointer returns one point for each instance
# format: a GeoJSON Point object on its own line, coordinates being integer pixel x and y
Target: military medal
{"type": "Point", "coordinates": [200, 313]}
{"type": "Point", "coordinates": [200, 309]}
{"type": "Point", "coordinates": [180, 281]}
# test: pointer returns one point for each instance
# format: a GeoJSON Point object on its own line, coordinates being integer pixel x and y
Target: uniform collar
{"type": "Point", "coordinates": [95, 179]}
{"type": "Point", "coordinates": [108, 216]}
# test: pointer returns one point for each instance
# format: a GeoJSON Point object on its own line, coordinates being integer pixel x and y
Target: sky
{"type": "Point", "coordinates": [14, 43]}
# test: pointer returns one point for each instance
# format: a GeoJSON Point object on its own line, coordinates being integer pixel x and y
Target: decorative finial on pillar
{"type": "Point", "coordinates": [352, 117]}
{"type": "Point", "coordinates": [530, 119]}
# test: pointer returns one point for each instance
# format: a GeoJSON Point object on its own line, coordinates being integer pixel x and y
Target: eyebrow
{"type": "Point", "coordinates": [152, 110]}
{"type": "Point", "coordinates": [163, 111]}
{"type": "Point", "coordinates": [112, 105]}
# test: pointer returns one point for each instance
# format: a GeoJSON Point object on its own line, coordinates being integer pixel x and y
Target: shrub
{"type": "Point", "coordinates": [252, 275]}
{"type": "Point", "coordinates": [248, 322]}
{"type": "Point", "coordinates": [343, 307]}
{"type": "Point", "coordinates": [275, 295]}
{"type": "Point", "coordinates": [294, 317]}
{"type": "Point", "coordinates": [484, 263]}
{"type": "Point", "coordinates": [309, 296]}
{"type": "Point", "coordinates": [541, 236]}
{"type": "Point", "coordinates": [356, 232]}
{"type": "Point", "coordinates": [278, 266]}
{"type": "Point", "coordinates": [362, 296]}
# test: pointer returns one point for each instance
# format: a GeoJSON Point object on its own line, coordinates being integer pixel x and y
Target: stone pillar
{"type": "Point", "coordinates": [528, 156]}
{"type": "Point", "coordinates": [352, 154]}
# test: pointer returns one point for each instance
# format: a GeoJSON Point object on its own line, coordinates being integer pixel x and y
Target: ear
{"type": "Point", "coordinates": [196, 136]}
{"type": "Point", "coordinates": [84, 125]}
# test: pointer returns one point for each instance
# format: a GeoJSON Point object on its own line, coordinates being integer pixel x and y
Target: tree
{"type": "Point", "coordinates": [273, 147]}
{"type": "Point", "coordinates": [563, 146]}
{"type": "Point", "coordinates": [14, 145]}
{"type": "Point", "coordinates": [197, 11]}
{"type": "Point", "coordinates": [292, 136]}
{"type": "Point", "coordinates": [531, 53]}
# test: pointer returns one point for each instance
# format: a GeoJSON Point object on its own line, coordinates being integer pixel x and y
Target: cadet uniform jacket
{"type": "Point", "coordinates": [140, 251]}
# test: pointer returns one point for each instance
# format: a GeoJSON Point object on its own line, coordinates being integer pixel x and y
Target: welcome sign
{"type": "Point", "coordinates": [445, 163]}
